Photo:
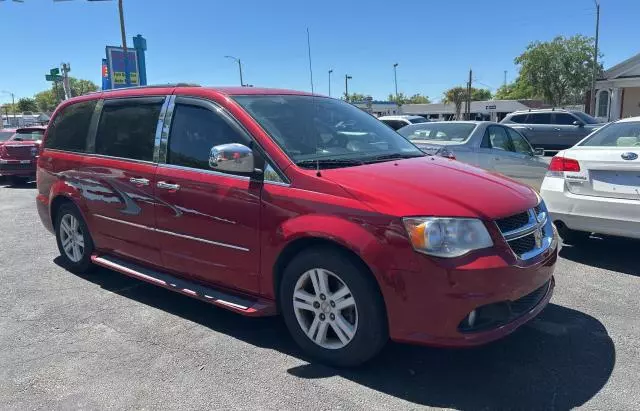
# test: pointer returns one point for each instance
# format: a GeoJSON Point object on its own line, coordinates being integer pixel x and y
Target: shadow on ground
{"type": "Point", "coordinates": [559, 361]}
{"type": "Point", "coordinates": [608, 253]}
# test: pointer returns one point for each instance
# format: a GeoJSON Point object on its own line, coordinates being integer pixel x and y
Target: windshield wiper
{"type": "Point", "coordinates": [329, 163]}
{"type": "Point", "coordinates": [394, 156]}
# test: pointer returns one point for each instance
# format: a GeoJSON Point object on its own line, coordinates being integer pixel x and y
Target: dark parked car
{"type": "Point", "coordinates": [552, 129]}
{"type": "Point", "coordinates": [258, 201]}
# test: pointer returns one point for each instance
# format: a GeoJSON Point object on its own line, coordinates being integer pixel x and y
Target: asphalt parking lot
{"type": "Point", "coordinates": [105, 341]}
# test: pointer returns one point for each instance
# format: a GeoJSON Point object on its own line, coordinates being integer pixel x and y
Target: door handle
{"type": "Point", "coordinates": [497, 158]}
{"type": "Point", "coordinates": [530, 128]}
{"type": "Point", "coordinates": [167, 186]}
{"type": "Point", "coordinates": [556, 129]}
{"type": "Point", "coordinates": [139, 181]}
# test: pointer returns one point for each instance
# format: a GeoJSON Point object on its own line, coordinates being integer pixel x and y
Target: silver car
{"type": "Point", "coordinates": [485, 144]}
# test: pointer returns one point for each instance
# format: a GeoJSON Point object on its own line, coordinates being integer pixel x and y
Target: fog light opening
{"type": "Point", "coordinates": [472, 318]}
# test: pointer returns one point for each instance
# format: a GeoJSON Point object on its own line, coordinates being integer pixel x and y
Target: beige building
{"type": "Point", "coordinates": [618, 91]}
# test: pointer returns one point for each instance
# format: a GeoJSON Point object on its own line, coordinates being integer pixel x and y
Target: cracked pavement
{"type": "Point", "coordinates": [107, 341]}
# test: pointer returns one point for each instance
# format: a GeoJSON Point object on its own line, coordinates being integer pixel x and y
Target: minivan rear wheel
{"type": "Point", "coordinates": [73, 238]}
{"type": "Point", "coordinates": [332, 307]}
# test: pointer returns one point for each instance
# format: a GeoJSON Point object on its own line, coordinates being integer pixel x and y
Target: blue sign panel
{"type": "Point", "coordinates": [116, 64]}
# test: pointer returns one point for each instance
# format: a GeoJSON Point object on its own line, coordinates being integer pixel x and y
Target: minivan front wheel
{"type": "Point", "coordinates": [332, 307]}
{"type": "Point", "coordinates": [73, 238]}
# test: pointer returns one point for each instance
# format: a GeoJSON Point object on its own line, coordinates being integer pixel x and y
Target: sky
{"type": "Point", "coordinates": [434, 42]}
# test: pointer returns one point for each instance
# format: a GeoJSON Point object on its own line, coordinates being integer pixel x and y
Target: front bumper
{"type": "Point", "coordinates": [18, 168]}
{"type": "Point", "coordinates": [437, 301]}
{"type": "Point", "coordinates": [612, 216]}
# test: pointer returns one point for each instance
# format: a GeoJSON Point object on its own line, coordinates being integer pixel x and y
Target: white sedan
{"type": "Point", "coordinates": [594, 186]}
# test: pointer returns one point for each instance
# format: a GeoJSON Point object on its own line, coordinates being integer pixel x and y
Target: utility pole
{"type": "Point", "coordinates": [127, 76]}
{"type": "Point", "coordinates": [468, 111]}
{"type": "Point", "coordinates": [592, 97]}
{"type": "Point", "coordinates": [66, 68]}
{"type": "Point", "coordinates": [505, 79]}
{"type": "Point", "coordinates": [237, 60]}
{"type": "Point", "coordinates": [395, 79]}
{"type": "Point", "coordinates": [330, 71]}
{"type": "Point", "coordinates": [346, 86]}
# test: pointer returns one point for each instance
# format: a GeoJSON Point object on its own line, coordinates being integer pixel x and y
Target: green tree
{"type": "Point", "coordinates": [480, 94]}
{"type": "Point", "coordinates": [47, 100]}
{"type": "Point", "coordinates": [27, 104]}
{"type": "Point", "coordinates": [518, 90]}
{"type": "Point", "coordinates": [355, 97]}
{"type": "Point", "coordinates": [79, 86]}
{"type": "Point", "coordinates": [414, 99]}
{"type": "Point", "coordinates": [558, 70]}
{"type": "Point", "coordinates": [455, 96]}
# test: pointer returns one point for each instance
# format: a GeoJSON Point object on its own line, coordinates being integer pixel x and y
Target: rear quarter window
{"type": "Point", "coordinates": [519, 118]}
{"type": "Point", "coordinates": [68, 130]}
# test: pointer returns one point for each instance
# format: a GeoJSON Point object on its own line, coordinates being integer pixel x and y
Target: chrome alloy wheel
{"type": "Point", "coordinates": [325, 308]}
{"type": "Point", "coordinates": [71, 238]}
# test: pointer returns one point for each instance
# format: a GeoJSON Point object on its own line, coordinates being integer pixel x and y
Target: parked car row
{"type": "Point", "coordinates": [273, 201]}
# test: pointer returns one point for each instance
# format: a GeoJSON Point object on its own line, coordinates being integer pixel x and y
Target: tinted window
{"type": "Point", "coordinates": [194, 131]}
{"type": "Point", "coordinates": [564, 119]}
{"type": "Point", "coordinates": [418, 120]}
{"type": "Point", "coordinates": [127, 130]}
{"type": "Point", "coordinates": [498, 138]}
{"type": "Point", "coordinates": [539, 118]}
{"type": "Point", "coordinates": [395, 124]}
{"type": "Point", "coordinates": [626, 134]}
{"type": "Point", "coordinates": [68, 130]}
{"type": "Point", "coordinates": [5, 135]}
{"type": "Point", "coordinates": [520, 143]}
{"type": "Point", "coordinates": [587, 119]}
{"type": "Point", "coordinates": [519, 118]}
{"type": "Point", "coordinates": [28, 135]}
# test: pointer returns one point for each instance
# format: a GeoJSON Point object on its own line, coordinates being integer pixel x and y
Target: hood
{"type": "Point", "coordinates": [434, 186]}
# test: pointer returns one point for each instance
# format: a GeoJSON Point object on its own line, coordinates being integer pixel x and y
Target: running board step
{"type": "Point", "coordinates": [239, 304]}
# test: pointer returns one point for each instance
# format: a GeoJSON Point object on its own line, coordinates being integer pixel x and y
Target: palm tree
{"type": "Point", "coordinates": [457, 96]}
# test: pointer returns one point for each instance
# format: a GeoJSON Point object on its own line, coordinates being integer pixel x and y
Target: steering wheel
{"type": "Point", "coordinates": [337, 140]}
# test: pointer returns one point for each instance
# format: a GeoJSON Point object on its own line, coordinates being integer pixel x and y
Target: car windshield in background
{"type": "Point", "coordinates": [6, 135]}
{"type": "Point", "coordinates": [417, 120]}
{"type": "Point", "coordinates": [625, 134]}
{"type": "Point", "coordinates": [438, 133]}
{"type": "Point", "coordinates": [587, 119]}
{"type": "Point", "coordinates": [324, 132]}
{"type": "Point", "coordinates": [31, 135]}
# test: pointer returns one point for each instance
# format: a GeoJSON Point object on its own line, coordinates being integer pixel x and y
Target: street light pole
{"type": "Point", "coordinates": [13, 105]}
{"type": "Point", "coordinates": [592, 97]}
{"type": "Point", "coordinates": [395, 79]}
{"type": "Point", "coordinates": [346, 86]}
{"type": "Point", "coordinates": [330, 71]}
{"type": "Point", "coordinates": [127, 76]}
{"type": "Point", "coordinates": [237, 60]}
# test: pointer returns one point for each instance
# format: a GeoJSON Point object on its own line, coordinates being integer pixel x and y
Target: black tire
{"type": "Point", "coordinates": [371, 333]}
{"type": "Point", "coordinates": [84, 265]}
{"type": "Point", "coordinates": [573, 237]}
{"type": "Point", "coordinates": [18, 181]}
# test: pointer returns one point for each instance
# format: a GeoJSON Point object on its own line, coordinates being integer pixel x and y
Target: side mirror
{"type": "Point", "coordinates": [538, 151]}
{"type": "Point", "coordinates": [234, 158]}
{"type": "Point", "coordinates": [578, 123]}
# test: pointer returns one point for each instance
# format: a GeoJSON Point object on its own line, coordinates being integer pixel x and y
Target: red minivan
{"type": "Point", "coordinates": [270, 202]}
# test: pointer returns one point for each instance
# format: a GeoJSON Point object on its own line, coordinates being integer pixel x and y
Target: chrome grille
{"type": "Point", "coordinates": [528, 233]}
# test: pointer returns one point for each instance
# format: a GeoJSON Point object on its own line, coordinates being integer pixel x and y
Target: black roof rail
{"type": "Point", "coordinates": [148, 86]}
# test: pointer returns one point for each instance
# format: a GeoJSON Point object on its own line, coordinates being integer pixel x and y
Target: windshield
{"type": "Point", "coordinates": [417, 120]}
{"type": "Point", "coordinates": [6, 135]}
{"type": "Point", "coordinates": [324, 132]}
{"type": "Point", "coordinates": [626, 134]}
{"type": "Point", "coordinates": [29, 135]}
{"type": "Point", "coordinates": [586, 118]}
{"type": "Point", "coordinates": [438, 133]}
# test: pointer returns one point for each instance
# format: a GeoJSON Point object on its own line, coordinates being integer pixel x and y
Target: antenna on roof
{"type": "Point", "coordinates": [309, 51]}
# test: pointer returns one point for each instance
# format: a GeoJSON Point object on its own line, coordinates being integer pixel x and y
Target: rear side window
{"type": "Point", "coordinates": [564, 119]}
{"type": "Point", "coordinates": [127, 129]}
{"type": "Point", "coordinates": [498, 138]}
{"type": "Point", "coordinates": [68, 130]}
{"type": "Point", "coordinates": [194, 131]}
{"type": "Point", "coordinates": [395, 124]}
{"type": "Point", "coordinates": [539, 118]}
{"type": "Point", "coordinates": [519, 118]}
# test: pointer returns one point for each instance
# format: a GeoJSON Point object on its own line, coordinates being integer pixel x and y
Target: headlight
{"type": "Point", "coordinates": [447, 237]}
